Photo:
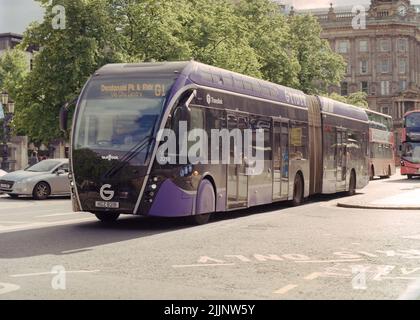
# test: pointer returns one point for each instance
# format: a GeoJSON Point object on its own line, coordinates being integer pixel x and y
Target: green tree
{"type": "Point", "coordinates": [320, 66]}
{"type": "Point", "coordinates": [268, 33]}
{"type": "Point", "coordinates": [356, 99]}
{"type": "Point", "coordinates": [14, 67]}
{"type": "Point", "coordinates": [65, 61]}
{"type": "Point", "coordinates": [217, 36]}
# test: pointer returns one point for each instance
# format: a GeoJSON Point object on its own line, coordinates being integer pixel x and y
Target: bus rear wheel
{"type": "Point", "coordinates": [298, 191]}
{"type": "Point", "coordinates": [352, 184]}
{"type": "Point", "coordinates": [205, 203]}
{"type": "Point", "coordinates": [107, 217]}
{"type": "Point", "coordinates": [410, 176]}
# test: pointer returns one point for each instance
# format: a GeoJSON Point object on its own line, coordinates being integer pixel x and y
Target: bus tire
{"type": "Point", "coordinates": [107, 217]}
{"type": "Point", "coordinates": [298, 191]}
{"type": "Point", "coordinates": [410, 176]}
{"type": "Point", "coordinates": [352, 184]}
{"type": "Point", "coordinates": [205, 203]}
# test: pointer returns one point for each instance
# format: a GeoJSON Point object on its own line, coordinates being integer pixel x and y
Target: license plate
{"type": "Point", "coordinates": [107, 205]}
{"type": "Point", "coordinates": [4, 186]}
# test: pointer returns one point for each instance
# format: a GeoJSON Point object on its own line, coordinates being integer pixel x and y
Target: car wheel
{"type": "Point", "coordinates": [107, 217]}
{"type": "Point", "coordinates": [41, 191]}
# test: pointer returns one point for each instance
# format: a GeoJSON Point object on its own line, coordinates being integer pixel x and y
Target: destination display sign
{"type": "Point", "coordinates": [120, 89]}
{"type": "Point", "coordinates": [380, 136]}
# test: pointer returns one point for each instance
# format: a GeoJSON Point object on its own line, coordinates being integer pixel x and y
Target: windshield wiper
{"type": "Point", "coordinates": [133, 152]}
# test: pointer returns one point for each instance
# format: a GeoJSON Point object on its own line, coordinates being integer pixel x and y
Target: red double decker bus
{"type": "Point", "coordinates": [410, 148]}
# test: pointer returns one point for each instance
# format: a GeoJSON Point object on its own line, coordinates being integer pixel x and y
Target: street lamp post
{"type": "Point", "coordinates": [9, 107]}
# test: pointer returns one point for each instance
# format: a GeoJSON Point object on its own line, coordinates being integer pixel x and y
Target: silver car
{"type": "Point", "coordinates": [44, 179]}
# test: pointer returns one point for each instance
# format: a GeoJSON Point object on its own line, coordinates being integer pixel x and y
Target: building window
{"type": "Point", "coordinates": [385, 110]}
{"type": "Point", "coordinates": [343, 46]}
{"type": "Point", "coordinates": [385, 87]}
{"type": "Point", "coordinates": [402, 67]}
{"type": "Point", "coordinates": [403, 85]}
{"type": "Point", "coordinates": [348, 68]}
{"type": "Point", "coordinates": [363, 46]}
{"type": "Point", "coordinates": [364, 87]}
{"type": "Point", "coordinates": [364, 65]}
{"type": "Point", "coordinates": [385, 45]}
{"type": "Point", "coordinates": [344, 88]}
{"type": "Point", "coordinates": [384, 66]}
{"type": "Point", "coordinates": [402, 45]}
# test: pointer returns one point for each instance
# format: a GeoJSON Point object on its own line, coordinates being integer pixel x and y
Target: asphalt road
{"type": "Point", "coordinates": [317, 251]}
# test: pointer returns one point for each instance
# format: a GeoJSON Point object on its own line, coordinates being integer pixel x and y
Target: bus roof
{"type": "Point", "coordinates": [411, 112]}
{"type": "Point", "coordinates": [343, 109]}
{"type": "Point", "coordinates": [379, 114]}
{"type": "Point", "coordinates": [214, 77]}
{"type": "Point", "coordinates": [209, 76]}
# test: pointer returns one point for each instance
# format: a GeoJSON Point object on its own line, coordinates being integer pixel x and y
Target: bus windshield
{"type": "Point", "coordinates": [411, 152]}
{"type": "Point", "coordinates": [412, 122]}
{"type": "Point", "coordinates": [115, 115]}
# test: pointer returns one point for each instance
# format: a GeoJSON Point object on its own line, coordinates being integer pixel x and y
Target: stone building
{"type": "Point", "coordinates": [381, 44]}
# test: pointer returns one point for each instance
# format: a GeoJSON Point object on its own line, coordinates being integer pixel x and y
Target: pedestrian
{"type": "Point", "coordinates": [33, 159]}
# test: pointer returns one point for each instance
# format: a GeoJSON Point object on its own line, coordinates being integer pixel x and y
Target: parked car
{"type": "Point", "coordinates": [2, 173]}
{"type": "Point", "coordinates": [44, 179]}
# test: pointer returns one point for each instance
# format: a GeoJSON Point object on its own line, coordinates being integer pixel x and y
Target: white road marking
{"type": "Point", "coordinates": [415, 237]}
{"type": "Point", "coordinates": [8, 287]}
{"type": "Point", "coordinates": [203, 265]}
{"type": "Point", "coordinates": [329, 261]}
{"type": "Point", "coordinates": [313, 276]}
{"type": "Point", "coordinates": [57, 215]}
{"type": "Point", "coordinates": [38, 225]}
{"type": "Point", "coordinates": [50, 273]}
{"type": "Point", "coordinates": [286, 289]}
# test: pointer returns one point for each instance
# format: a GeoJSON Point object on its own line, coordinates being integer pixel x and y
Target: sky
{"type": "Point", "coordinates": [15, 15]}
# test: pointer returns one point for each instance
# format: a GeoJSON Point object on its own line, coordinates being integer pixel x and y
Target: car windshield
{"type": "Point", "coordinates": [44, 166]}
{"type": "Point", "coordinates": [411, 152]}
{"type": "Point", "coordinates": [115, 115]}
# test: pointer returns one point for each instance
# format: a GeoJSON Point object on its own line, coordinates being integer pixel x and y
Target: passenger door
{"type": "Point", "coordinates": [237, 180]}
{"type": "Point", "coordinates": [341, 159]}
{"type": "Point", "coordinates": [280, 159]}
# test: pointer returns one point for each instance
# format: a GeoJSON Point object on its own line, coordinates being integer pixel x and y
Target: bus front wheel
{"type": "Point", "coordinates": [298, 191]}
{"type": "Point", "coordinates": [410, 176]}
{"type": "Point", "coordinates": [205, 203]}
{"type": "Point", "coordinates": [107, 217]}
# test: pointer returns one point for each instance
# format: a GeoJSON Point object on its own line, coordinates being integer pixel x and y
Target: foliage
{"type": "Point", "coordinates": [357, 99]}
{"type": "Point", "coordinates": [247, 36]}
{"type": "Point", "coordinates": [320, 66]}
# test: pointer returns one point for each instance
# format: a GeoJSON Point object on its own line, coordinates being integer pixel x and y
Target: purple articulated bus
{"type": "Point", "coordinates": [184, 139]}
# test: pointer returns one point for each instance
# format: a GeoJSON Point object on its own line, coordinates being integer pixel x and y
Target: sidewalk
{"type": "Point", "coordinates": [390, 194]}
